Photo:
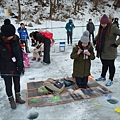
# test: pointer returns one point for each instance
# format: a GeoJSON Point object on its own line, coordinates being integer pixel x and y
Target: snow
{"type": "Point", "coordinates": [61, 66]}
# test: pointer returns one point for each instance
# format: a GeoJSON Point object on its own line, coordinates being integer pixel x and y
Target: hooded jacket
{"type": "Point", "coordinates": [23, 33]}
{"type": "Point", "coordinates": [69, 27]}
{"type": "Point", "coordinates": [8, 67]}
{"type": "Point", "coordinates": [81, 67]}
{"type": "Point", "coordinates": [110, 53]}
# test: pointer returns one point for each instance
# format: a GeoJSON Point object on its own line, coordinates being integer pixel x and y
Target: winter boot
{"type": "Point", "coordinates": [18, 98]}
{"type": "Point", "coordinates": [34, 59]}
{"type": "Point", "coordinates": [38, 59]}
{"type": "Point", "coordinates": [12, 102]}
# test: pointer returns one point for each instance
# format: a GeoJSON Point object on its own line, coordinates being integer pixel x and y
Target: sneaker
{"type": "Point", "coordinates": [100, 79]}
{"type": "Point", "coordinates": [109, 83]}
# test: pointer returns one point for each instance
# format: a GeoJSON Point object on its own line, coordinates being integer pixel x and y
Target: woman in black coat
{"type": "Point", "coordinates": [116, 22]}
{"type": "Point", "coordinates": [39, 37]}
{"type": "Point", "coordinates": [11, 62]}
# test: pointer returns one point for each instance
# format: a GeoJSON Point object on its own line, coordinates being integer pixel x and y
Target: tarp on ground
{"type": "Point", "coordinates": [70, 94]}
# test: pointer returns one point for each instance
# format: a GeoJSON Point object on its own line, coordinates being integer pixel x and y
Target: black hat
{"type": "Point", "coordinates": [7, 21]}
{"type": "Point", "coordinates": [90, 20]}
{"type": "Point", "coordinates": [8, 30]}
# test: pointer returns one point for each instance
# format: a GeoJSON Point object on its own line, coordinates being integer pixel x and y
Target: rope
{"type": "Point", "coordinates": [54, 27]}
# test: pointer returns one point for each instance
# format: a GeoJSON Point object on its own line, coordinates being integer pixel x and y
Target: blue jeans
{"type": "Point", "coordinates": [82, 82]}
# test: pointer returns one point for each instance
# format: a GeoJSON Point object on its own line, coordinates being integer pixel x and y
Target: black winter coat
{"type": "Point", "coordinates": [90, 27]}
{"type": "Point", "coordinates": [7, 66]}
{"type": "Point", "coordinates": [39, 37]}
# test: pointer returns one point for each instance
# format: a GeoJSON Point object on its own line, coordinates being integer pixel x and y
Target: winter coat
{"type": "Point", "coordinates": [116, 23]}
{"type": "Point", "coordinates": [23, 34]}
{"type": "Point", "coordinates": [81, 67]}
{"type": "Point", "coordinates": [69, 27]}
{"type": "Point", "coordinates": [39, 37]}
{"type": "Point", "coordinates": [110, 53]}
{"type": "Point", "coordinates": [90, 27]}
{"type": "Point", "coordinates": [8, 67]}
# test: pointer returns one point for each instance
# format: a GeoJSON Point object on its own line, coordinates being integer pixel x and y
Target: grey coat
{"type": "Point", "coordinates": [110, 53]}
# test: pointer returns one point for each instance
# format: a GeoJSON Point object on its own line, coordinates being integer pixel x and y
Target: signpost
{"type": "Point", "coordinates": [4, 12]}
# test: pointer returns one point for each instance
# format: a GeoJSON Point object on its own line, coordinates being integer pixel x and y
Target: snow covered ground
{"type": "Point", "coordinates": [61, 66]}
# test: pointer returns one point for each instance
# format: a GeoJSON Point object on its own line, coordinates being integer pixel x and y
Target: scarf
{"type": "Point", "coordinates": [101, 41]}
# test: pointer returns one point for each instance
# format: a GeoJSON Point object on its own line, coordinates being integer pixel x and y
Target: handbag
{"type": "Point", "coordinates": [58, 84]}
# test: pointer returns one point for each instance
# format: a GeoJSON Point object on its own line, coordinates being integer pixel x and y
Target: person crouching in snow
{"type": "Point", "coordinates": [36, 51]}
{"type": "Point", "coordinates": [26, 59]}
{"type": "Point", "coordinates": [82, 54]}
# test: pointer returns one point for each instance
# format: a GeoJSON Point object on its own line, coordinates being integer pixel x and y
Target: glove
{"type": "Point", "coordinates": [20, 71]}
{"type": "Point", "coordinates": [38, 46]}
{"type": "Point", "coordinates": [94, 42]}
{"type": "Point", "coordinates": [69, 30]}
{"type": "Point", "coordinates": [113, 45]}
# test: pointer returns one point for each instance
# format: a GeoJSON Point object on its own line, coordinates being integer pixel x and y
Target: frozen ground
{"type": "Point", "coordinates": [61, 66]}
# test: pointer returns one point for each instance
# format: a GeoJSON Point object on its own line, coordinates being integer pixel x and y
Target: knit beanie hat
{"type": "Point", "coordinates": [104, 19]}
{"type": "Point", "coordinates": [85, 37]}
{"type": "Point", "coordinates": [7, 21]}
{"type": "Point", "coordinates": [8, 30]}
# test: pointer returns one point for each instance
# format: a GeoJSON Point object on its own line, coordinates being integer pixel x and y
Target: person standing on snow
{"type": "Point", "coordinates": [106, 47]}
{"type": "Point", "coordinates": [116, 22]}
{"type": "Point", "coordinates": [47, 42]}
{"type": "Point", "coordinates": [11, 60]}
{"type": "Point", "coordinates": [82, 55]}
{"type": "Point", "coordinates": [69, 27]}
{"type": "Point", "coordinates": [23, 34]}
{"type": "Point", "coordinates": [91, 28]}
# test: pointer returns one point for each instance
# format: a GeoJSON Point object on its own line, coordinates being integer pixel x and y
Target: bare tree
{"type": "Point", "coordinates": [96, 2]}
{"type": "Point", "coordinates": [19, 11]}
{"type": "Point", "coordinates": [53, 7]}
{"type": "Point", "coordinates": [77, 4]}
{"type": "Point", "coordinates": [116, 4]}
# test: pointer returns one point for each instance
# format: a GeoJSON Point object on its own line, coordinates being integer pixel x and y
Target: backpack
{"type": "Point", "coordinates": [54, 86]}
{"type": "Point", "coordinates": [47, 34]}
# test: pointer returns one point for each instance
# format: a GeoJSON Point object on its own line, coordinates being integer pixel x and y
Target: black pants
{"type": "Point", "coordinates": [108, 64]}
{"type": "Point", "coordinates": [26, 45]}
{"type": "Point", "coordinates": [46, 57]}
{"type": "Point", "coordinates": [92, 37]}
{"type": "Point", "coordinates": [82, 82]}
{"type": "Point", "coordinates": [8, 84]}
{"type": "Point", "coordinates": [69, 35]}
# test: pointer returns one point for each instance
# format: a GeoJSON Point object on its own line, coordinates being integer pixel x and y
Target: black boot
{"type": "Point", "coordinates": [12, 102]}
{"type": "Point", "coordinates": [18, 98]}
